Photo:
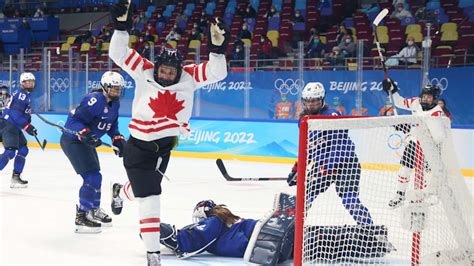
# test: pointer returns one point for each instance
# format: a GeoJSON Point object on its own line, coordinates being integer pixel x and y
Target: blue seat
{"type": "Point", "coordinates": [299, 26]}
{"type": "Point", "coordinates": [408, 21]}
{"type": "Point", "coordinates": [273, 23]}
{"type": "Point", "coordinates": [190, 6]}
{"type": "Point", "coordinates": [151, 9]}
{"type": "Point", "coordinates": [465, 3]}
{"type": "Point", "coordinates": [433, 5]}
{"type": "Point", "coordinates": [349, 23]}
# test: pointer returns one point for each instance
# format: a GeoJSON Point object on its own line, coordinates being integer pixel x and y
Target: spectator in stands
{"type": "Point", "coordinates": [249, 12]}
{"type": "Point", "coordinates": [400, 12]}
{"type": "Point", "coordinates": [84, 38]}
{"type": "Point", "coordinates": [336, 58]}
{"type": "Point", "coordinates": [107, 36]}
{"type": "Point", "coordinates": [442, 104]}
{"type": "Point", "coordinates": [238, 42]}
{"type": "Point", "coordinates": [238, 56]}
{"type": "Point", "coordinates": [134, 31]}
{"type": "Point", "coordinates": [140, 45]}
{"type": "Point", "coordinates": [160, 18]}
{"type": "Point", "coordinates": [387, 109]}
{"type": "Point", "coordinates": [244, 33]}
{"type": "Point", "coordinates": [98, 45]}
{"type": "Point", "coordinates": [38, 13]}
{"type": "Point", "coordinates": [203, 24]}
{"type": "Point", "coordinates": [24, 24]}
{"type": "Point", "coordinates": [142, 18]}
{"type": "Point", "coordinates": [338, 106]}
{"type": "Point", "coordinates": [406, 56]}
{"type": "Point", "coordinates": [297, 17]}
{"type": "Point", "coordinates": [8, 11]}
{"type": "Point", "coordinates": [343, 31]}
{"type": "Point", "coordinates": [272, 13]}
{"type": "Point", "coordinates": [172, 36]}
{"type": "Point", "coordinates": [347, 46]}
{"type": "Point", "coordinates": [146, 51]}
{"type": "Point", "coordinates": [363, 111]}
{"type": "Point", "coordinates": [149, 37]}
{"type": "Point", "coordinates": [265, 50]}
{"type": "Point", "coordinates": [195, 35]}
{"type": "Point", "coordinates": [151, 28]}
{"type": "Point", "coordinates": [177, 29]}
{"type": "Point", "coordinates": [315, 47]}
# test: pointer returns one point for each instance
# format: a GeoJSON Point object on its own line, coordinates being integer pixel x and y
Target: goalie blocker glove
{"type": "Point", "coordinates": [218, 36]}
{"type": "Point", "coordinates": [117, 12]}
{"type": "Point", "coordinates": [389, 86]}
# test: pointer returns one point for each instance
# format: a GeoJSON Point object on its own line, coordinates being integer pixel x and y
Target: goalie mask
{"type": "Point", "coordinates": [313, 97]}
{"type": "Point", "coordinates": [427, 102]}
{"type": "Point", "coordinates": [168, 67]}
{"type": "Point", "coordinates": [27, 81]}
{"type": "Point", "coordinates": [202, 209]}
{"type": "Point", "coordinates": [112, 84]}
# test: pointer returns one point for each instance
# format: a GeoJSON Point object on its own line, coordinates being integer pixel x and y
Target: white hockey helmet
{"type": "Point", "coordinates": [313, 90]}
{"type": "Point", "coordinates": [27, 76]}
{"type": "Point", "coordinates": [112, 83]}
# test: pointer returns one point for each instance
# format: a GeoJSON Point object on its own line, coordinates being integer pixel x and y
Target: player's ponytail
{"type": "Point", "coordinates": [224, 214]}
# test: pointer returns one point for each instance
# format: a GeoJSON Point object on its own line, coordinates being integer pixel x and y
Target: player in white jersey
{"type": "Point", "coordinates": [425, 105]}
{"type": "Point", "coordinates": [161, 110]}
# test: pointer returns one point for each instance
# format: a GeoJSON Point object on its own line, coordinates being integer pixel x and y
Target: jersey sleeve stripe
{"type": "Point", "coordinates": [130, 57]}
{"type": "Point", "coordinates": [135, 65]}
{"type": "Point", "coordinates": [149, 220]}
{"type": "Point", "coordinates": [204, 78]}
{"type": "Point", "coordinates": [196, 73]}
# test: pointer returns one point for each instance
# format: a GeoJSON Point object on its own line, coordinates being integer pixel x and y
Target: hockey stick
{"type": "Point", "coordinates": [42, 144]}
{"type": "Point", "coordinates": [220, 165]}
{"type": "Point", "coordinates": [376, 22]}
{"type": "Point", "coordinates": [67, 130]}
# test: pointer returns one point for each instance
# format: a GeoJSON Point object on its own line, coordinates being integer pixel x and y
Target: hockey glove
{"type": "Point", "coordinates": [30, 129]}
{"type": "Point", "coordinates": [293, 175]}
{"type": "Point", "coordinates": [122, 15]}
{"type": "Point", "coordinates": [87, 137]}
{"type": "Point", "coordinates": [119, 142]}
{"type": "Point", "coordinates": [389, 86]}
{"type": "Point", "coordinates": [218, 36]}
{"type": "Point", "coordinates": [168, 236]}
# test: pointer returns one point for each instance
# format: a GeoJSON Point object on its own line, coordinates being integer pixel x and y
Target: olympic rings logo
{"type": "Point", "coordinates": [442, 83]}
{"type": "Point", "coordinates": [289, 86]}
{"type": "Point", "coordinates": [59, 84]}
{"type": "Point", "coordinates": [61, 123]}
{"type": "Point", "coordinates": [395, 141]}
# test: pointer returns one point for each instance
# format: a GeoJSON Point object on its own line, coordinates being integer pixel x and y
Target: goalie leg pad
{"type": "Point", "coordinates": [272, 238]}
{"type": "Point", "coordinates": [168, 236]}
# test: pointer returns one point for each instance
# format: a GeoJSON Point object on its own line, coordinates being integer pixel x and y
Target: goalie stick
{"type": "Point", "coordinates": [376, 22]}
{"type": "Point", "coordinates": [67, 130]}
{"type": "Point", "coordinates": [221, 166]}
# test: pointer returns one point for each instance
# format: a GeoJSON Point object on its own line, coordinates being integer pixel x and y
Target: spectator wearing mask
{"type": "Point", "coordinates": [347, 46]}
{"type": "Point", "coordinates": [149, 37]}
{"type": "Point", "coordinates": [146, 51]}
{"type": "Point", "coordinates": [272, 13]}
{"type": "Point", "coordinates": [140, 45]}
{"type": "Point", "coordinates": [245, 33]}
{"type": "Point", "coordinates": [195, 35]}
{"type": "Point", "coordinates": [249, 12]}
{"type": "Point", "coordinates": [406, 56]}
{"type": "Point", "coordinates": [151, 29]}
{"type": "Point", "coordinates": [297, 17]}
{"type": "Point", "coordinates": [343, 31]}
{"type": "Point", "coordinates": [400, 12]}
{"type": "Point", "coordinates": [238, 56]}
{"type": "Point", "coordinates": [315, 47]}
{"type": "Point", "coordinates": [336, 58]}
{"type": "Point", "coordinates": [265, 50]}
{"type": "Point", "coordinates": [38, 13]}
{"type": "Point", "coordinates": [172, 36]}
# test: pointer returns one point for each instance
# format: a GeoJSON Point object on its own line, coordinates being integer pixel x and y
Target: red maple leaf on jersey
{"type": "Point", "coordinates": [166, 105]}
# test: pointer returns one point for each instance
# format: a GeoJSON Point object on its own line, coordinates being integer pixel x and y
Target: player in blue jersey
{"type": "Point", "coordinates": [333, 158]}
{"type": "Point", "coordinates": [17, 117]}
{"type": "Point", "coordinates": [96, 115]}
{"type": "Point", "coordinates": [220, 232]}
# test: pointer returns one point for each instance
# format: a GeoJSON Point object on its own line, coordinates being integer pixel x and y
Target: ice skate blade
{"type": "Point", "coordinates": [17, 185]}
{"type": "Point", "coordinates": [87, 230]}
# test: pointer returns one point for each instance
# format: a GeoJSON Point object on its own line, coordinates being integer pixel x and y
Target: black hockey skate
{"type": "Point", "coordinates": [17, 182]}
{"type": "Point", "coordinates": [117, 202]}
{"type": "Point", "coordinates": [84, 225]}
{"type": "Point", "coordinates": [98, 215]}
{"type": "Point", "coordinates": [154, 258]}
{"type": "Point", "coordinates": [398, 200]}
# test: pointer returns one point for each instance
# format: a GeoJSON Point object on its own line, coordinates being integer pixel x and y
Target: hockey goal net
{"type": "Point", "coordinates": [349, 209]}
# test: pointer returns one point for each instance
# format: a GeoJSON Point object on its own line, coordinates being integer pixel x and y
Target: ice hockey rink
{"type": "Point", "coordinates": [37, 223]}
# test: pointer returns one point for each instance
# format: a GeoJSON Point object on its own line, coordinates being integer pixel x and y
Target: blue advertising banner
{"type": "Point", "coordinates": [227, 99]}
